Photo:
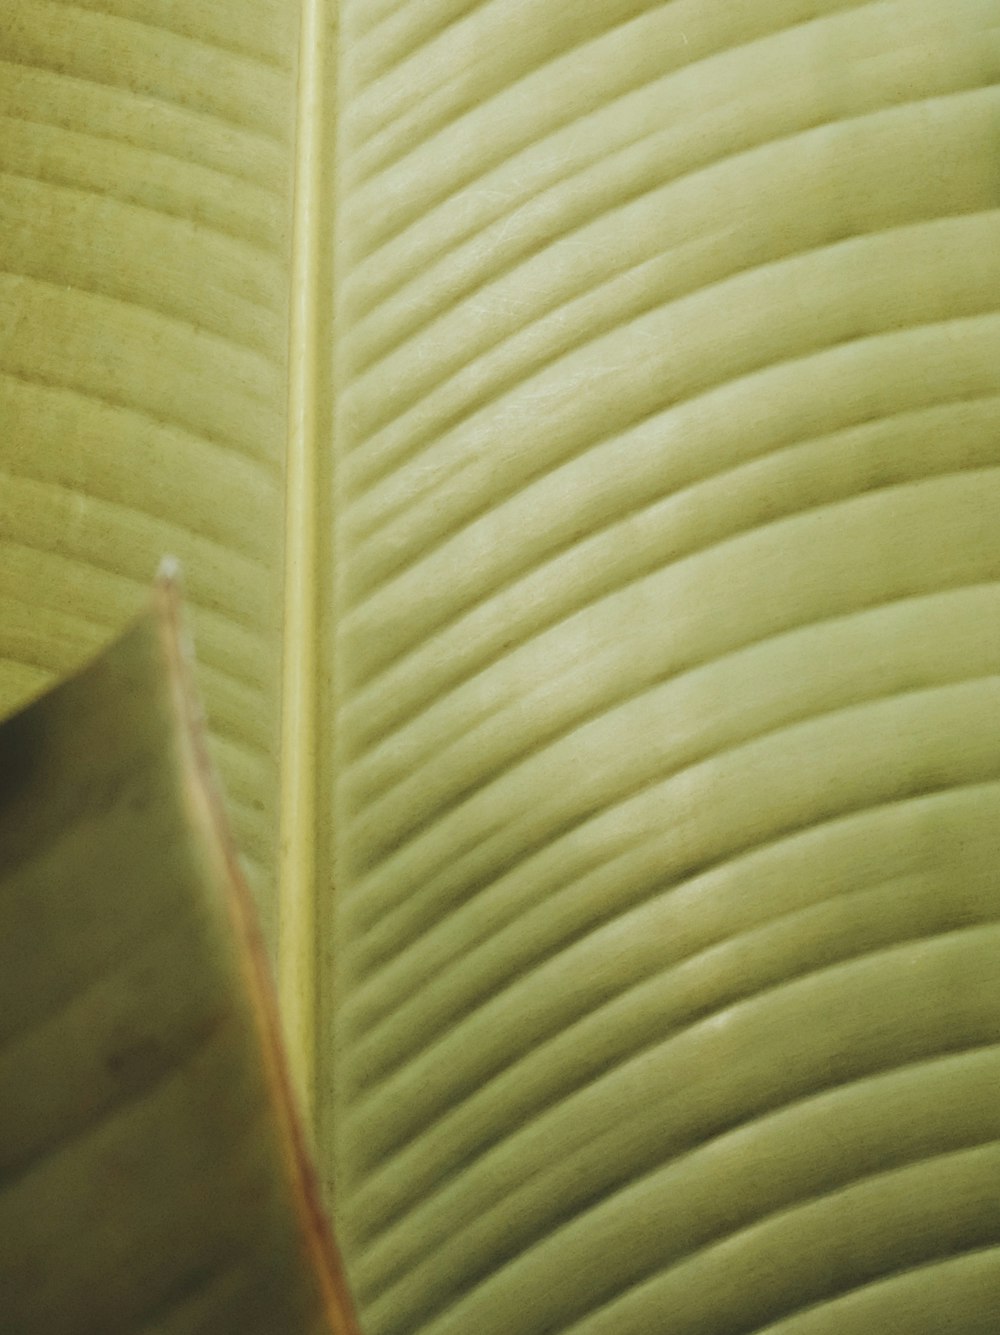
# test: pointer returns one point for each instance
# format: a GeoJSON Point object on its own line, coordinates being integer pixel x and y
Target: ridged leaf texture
{"type": "Point", "coordinates": [579, 426]}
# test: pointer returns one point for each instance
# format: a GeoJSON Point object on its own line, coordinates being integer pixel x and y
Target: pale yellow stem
{"type": "Point", "coordinates": [297, 856]}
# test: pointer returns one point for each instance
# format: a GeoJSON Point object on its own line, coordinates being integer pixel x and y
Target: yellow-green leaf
{"type": "Point", "coordinates": [579, 422]}
{"type": "Point", "coordinates": [153, 1173]}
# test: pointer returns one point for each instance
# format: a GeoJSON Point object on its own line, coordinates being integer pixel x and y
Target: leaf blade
{"type": "Point", "coordinates": [155, 1164]}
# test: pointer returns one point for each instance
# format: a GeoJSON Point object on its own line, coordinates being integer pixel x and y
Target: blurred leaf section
{"type": "Point", "coordinates": [152, 1171]}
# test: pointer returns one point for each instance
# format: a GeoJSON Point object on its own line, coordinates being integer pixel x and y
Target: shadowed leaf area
{"type": "Point", "coordinates": [152, 1171]}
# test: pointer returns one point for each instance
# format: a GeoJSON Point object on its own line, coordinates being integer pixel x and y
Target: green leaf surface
{"type": "Point", "coordinates": [664, 993]}
{"type": "Point", "coordinates": [579, 424]}
{"type": "Point", "coordinates": [146, 171]}
{"type": "Point", "coordinates": [154, 1175]}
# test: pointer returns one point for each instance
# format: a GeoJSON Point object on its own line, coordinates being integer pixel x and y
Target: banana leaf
{"type": "Point", "coordinates": [155, 1174]}
{"type": "Point", "coordinates": [579, 424]}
